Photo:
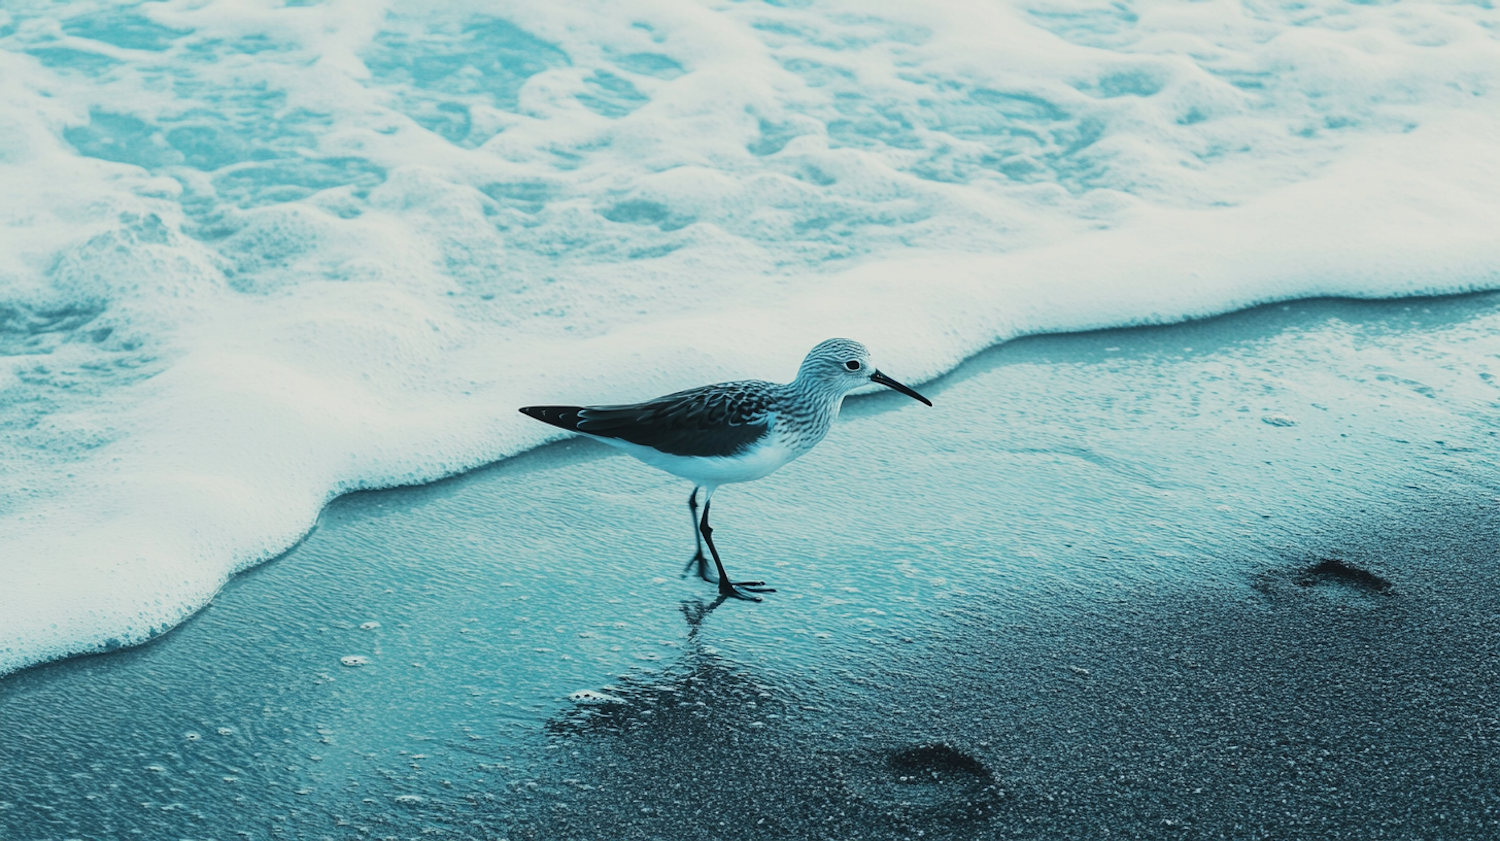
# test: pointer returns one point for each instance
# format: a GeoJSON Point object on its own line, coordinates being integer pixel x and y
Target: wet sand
{"type": "Point", "coordinates": [1231, 578]}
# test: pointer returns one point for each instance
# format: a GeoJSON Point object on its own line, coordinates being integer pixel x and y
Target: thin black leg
{"type": "Point", "coordinates": [699, 558]}
{"type": "Point", "coordinates": [728, 589]}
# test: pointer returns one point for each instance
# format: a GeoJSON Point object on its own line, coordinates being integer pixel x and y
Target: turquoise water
{"type": "Point", "coordinates": [508, 620]}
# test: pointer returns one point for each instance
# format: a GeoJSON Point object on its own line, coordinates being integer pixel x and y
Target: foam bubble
{"type": "Point", "coordinates": [591, 697]}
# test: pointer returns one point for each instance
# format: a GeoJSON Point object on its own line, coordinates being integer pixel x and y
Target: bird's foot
{"type": "Point", "coordinates": [702, 563]}
{"type": "Point", "coordinates": [743, 590]}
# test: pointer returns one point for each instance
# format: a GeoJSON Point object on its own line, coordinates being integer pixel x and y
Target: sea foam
{"type": "Point", "coordinates": [254, 255]}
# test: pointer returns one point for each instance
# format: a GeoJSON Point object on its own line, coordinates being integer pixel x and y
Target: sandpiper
{"type": "Point", "coordinates": [730, 432]}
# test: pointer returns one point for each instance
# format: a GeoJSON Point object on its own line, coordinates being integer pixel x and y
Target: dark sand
{"type": "Point", "coordinates": [1228, 579]}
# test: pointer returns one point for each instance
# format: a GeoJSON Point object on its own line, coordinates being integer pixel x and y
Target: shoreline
{"type": "Point", "coordinates": [1091, 536]}
{"type": "Point", "coordinates": [167, 625]}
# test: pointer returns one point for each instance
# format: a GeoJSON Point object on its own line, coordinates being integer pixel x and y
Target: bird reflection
{"type": "Point", "coordinates": [696, 610]}
{"type": "Point", "coordinates": [699, 691]}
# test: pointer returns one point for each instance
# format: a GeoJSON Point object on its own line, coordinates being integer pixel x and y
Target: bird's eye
{"type": "Point", "coordinates": [852, 364]}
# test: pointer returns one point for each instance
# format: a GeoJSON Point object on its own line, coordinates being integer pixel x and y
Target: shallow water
{"type": "Point", "coordinates": [512, 652]}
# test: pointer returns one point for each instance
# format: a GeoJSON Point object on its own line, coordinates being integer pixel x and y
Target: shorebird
{"type": "Point", "coordinates": [730, 432]}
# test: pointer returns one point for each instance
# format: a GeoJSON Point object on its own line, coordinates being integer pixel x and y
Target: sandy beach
{"type": "Point", "coordinates": [1231, 578]}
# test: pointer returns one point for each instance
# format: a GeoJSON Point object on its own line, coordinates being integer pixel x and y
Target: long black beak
{"type": "Point", "coordinates": [878, 377]}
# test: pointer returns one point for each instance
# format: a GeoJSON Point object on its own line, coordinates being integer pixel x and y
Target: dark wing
{"type": "Point", "coordinates": [714, 420]}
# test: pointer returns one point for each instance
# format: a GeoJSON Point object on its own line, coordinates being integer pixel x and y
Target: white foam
{"type": "Point", "coordinates": [252, 257]}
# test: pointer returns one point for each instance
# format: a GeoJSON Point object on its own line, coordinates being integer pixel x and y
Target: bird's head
{"type": "Point", "coordinates": [844, 364]}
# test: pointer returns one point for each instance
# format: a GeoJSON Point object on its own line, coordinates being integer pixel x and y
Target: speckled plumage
{"type": "Point", "coordinates": [711, 420]}
{"type": "Point", "coordinates": [730, 432]}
